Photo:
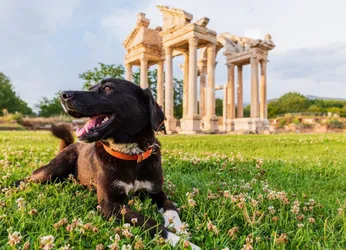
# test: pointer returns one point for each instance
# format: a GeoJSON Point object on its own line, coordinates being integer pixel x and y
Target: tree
{"type": "Point", "coordinates": [314, 108]}
{"type": "Point", "coordinates": [178, 98]}
{"type": "Point", "coordinates": [273, 109]}
{"type": "Point", "coordinates": [95, 75]}
{"type": "Point", "coordinates": [152, 79]}
{"type": "Point", "coordinates": [293, 102]}
{"type": "Point", "coordinates": [246, 111]}
{"type": "Point", "coordinates": [218, 106]}
{"type": "Point", "coordinates": [48, 108]}
{"type": "Point", "coordinates": [9, 99]}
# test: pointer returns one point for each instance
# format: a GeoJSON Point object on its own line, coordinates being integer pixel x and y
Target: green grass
{"type": "Point", "coordinates": [11, 126]}
{"type": "Point", "coordinates": [218, 182]}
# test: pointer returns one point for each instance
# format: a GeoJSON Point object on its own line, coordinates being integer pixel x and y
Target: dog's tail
{"type": "Point", "coordinates": [63, 132]}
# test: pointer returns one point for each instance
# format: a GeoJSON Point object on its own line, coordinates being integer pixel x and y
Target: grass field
{"type": "Point", "coordinates": [240, 192]}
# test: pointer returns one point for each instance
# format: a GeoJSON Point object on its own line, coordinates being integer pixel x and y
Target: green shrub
{"type": "Point", "coordinates": [18, 117]}
{"type": "Point", "coordinates": [307, 125]}
{"type": "Point", "coordinates": [335, 124]}
{"type": "Point", "coordinates": [296, 120]}
{"type": "Point", "coordinates": [282, 123]}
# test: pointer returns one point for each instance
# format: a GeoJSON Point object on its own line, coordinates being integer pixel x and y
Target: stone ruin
{"type": "Point", "coordinates": [180, 36]}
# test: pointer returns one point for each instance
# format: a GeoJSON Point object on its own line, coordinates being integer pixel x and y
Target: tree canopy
{"type": "Point", "coordinates": [50, 107]}
{"type": "Point", "coordinates": [95, 75]}
{"type": "Point", "coordinates": [9, 99]}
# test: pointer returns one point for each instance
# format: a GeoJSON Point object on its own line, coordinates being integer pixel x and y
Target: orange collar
{"type": "Point", "coordinates": [122, 156]}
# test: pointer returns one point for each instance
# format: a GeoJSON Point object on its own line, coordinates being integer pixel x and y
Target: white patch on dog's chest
{"type": "Point", "coordinates": [137, 185]}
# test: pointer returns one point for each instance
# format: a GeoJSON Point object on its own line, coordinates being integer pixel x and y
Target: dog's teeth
{"type": "Point", "coordinates": [87, 130]}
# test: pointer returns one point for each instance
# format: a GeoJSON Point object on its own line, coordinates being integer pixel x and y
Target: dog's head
{"type": "Point", "coordinates": [114, 107]}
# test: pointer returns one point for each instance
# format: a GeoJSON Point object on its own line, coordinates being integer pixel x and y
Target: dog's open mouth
{"type": "Point", "coordinates": [95, 123]}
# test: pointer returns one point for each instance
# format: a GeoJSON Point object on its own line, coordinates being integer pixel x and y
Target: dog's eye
{"type": "Point", "coordinates": [106, 88]}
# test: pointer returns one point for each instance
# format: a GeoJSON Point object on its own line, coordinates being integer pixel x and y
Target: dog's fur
{"type": "Point", "coordinates": [134, 117]}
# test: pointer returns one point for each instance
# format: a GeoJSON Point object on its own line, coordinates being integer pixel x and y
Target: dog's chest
{"type": "Point", "coordinates": [134, 186]}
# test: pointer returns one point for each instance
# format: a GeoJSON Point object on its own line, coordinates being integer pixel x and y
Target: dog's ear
{"type": "Point", "coordinates": [155, 112]}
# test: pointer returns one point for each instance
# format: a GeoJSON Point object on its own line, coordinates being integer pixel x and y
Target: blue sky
{"type": "Point", "coordinates": [44, 45]}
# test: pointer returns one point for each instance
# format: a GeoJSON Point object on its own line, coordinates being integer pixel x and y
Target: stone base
{"type": "Point", "coordinates": [229, 126]}
{"type": "Point", "coordinates": [248, 125]}
{"type": "Point", "coordinates": [190, 125]}
{"type": "Point", "coordinates": [171, 125]}
{"type": "Point", "coordinates": [241, 125]}
{"type": "Point", "coordinates": [210, 124]}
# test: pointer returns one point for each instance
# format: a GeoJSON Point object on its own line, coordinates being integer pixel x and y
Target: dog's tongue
{"type": "Point", "coordinates": [90, 124]}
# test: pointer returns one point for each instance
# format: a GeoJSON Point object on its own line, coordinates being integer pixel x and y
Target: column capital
{"type": "Point", "coordinates": [264, 61]}
{"type": "Point", "coordinates": [168, 51]}
{"type": "Point", "coordinates": [193, 41]}
{"type": "Point", "coordinates": [144, 58]}
{"type": "Point", "coordinates": [161, 62]}
{"type": "Point", "coordinates": [230, 65]}
{"type": "Point", "coordinates": [254, 59]}
{"type": "Point", "coordinates": [211, 46]}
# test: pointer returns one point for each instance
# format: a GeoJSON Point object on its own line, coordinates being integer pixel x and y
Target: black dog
{"type": "Point", "coordinates": [122, 153]}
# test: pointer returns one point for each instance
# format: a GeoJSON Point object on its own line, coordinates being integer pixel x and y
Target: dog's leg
{"type": "Point", "coordinates": [170, 216]}
{"type": "Point", "coordinates": [167, 209]}
{"type": "Point", "coordinates": [112, 204]}
{"type": "Point", "coordinates": [60, 167]}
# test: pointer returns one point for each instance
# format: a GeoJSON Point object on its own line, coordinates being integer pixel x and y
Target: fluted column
{"type": "Point", "coordinates": [144, 73]}
{"type": "Point", "coordinates": [263, 90]}
{"type": "Point", "coordinates": [231, 105]}
{"type": "Point", "coordinates": [210, 119]}
{"type": "Point", "coordinates": [169, 104]}
{"type": "Point", "coordinates": [128, 70]}
{"type": "Point", "coordinates": [225, 107]}
{"type": "Point", "coordinates": [202, 94]}
{"type": "Point", "coordinates": [191, 121]}
{"type": "Point", "coordinates": [186, 85]}
{"type": "Point", "coordinates": [192, 100]}
{"type": "Point", "coordinates": [211, 81]}
{"type": "Point", "coordinates": [159, 90]}
{"type": "Point", "coordinates": [254, 88]}
{"type": "Point", "coordinates": [240, 105]}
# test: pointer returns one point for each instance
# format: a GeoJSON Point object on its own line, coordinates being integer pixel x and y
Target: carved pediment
{"type": "Point", "coordinates": [141, 34]}
{"type": "Point", "coordinates": [174, 18]}
{"type": "Point", "coordinates": [203, 22]}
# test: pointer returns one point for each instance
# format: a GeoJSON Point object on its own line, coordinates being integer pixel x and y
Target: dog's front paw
{"type": "Point", "coordinates": [17, 183]}
{"type": "Point", "coordinates": [174, 239]}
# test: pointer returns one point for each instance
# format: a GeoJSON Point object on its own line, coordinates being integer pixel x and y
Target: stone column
{"type": "Point", "coordinates": [225, 107]}
{"type": "Point", "coordinates": [210, 119]}
{"type": "Point", "coordinates": [192, 120]}
{"type": "Point", "coordinates": [231, 91]}
{"type": "Point", "coordinates": [186, 85]}
{"type": "Point", "coordinates": [202, 87]}
{"type": "Point", "coordinates": [144, 73]}
{"type": "Point", "coordinates": [159, 90]}
{"type": "Point", "coordinates": [254, 88]}
{"type": "Point", "coordinates": [170, 123]}
{"type": "Point", "coordinates": [240, 105]}
{"type": "Point", "coordinates": [263, 90]}
{"type": "Point", "coordinates": [192, 100]}
{"type": "Point", "coordinates": [128, 75]}
{"type": "Point", "coordinates": [230, 98]}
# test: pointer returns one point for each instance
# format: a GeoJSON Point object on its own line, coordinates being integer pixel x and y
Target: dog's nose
{"type": "Point", "coordinates": [66, 95]}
